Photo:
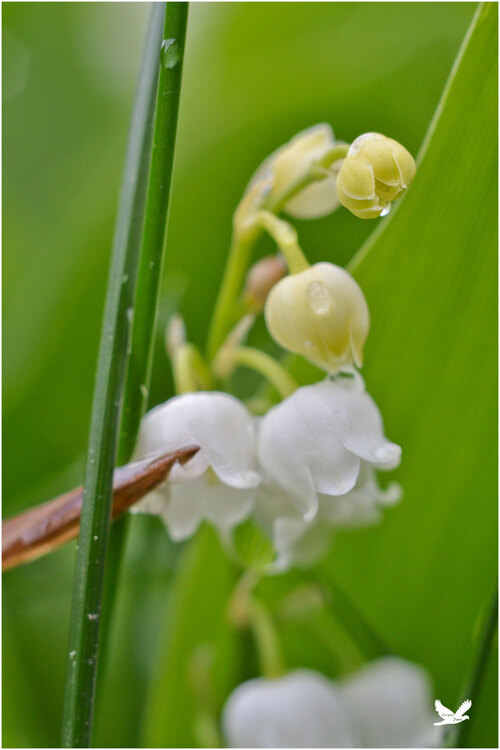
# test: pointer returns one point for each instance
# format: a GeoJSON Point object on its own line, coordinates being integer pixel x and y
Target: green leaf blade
{"type": "Point", "coordinates": [429, 274]}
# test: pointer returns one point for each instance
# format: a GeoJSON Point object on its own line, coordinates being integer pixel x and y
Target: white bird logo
{"type": "Point", "coordinates": [448, 716]}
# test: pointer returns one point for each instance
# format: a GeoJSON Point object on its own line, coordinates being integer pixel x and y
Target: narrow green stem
{"type": "Point", "coordinates": [339, 151]}
{"type": "Point", "coordinates": [136, 176]}
{"type": "Point", "coordinates": [286, 239]}
{"type": "Point", "coordinates": [266, 366]}
{"type": "Point", "coordinates": [110, 379]}
{"type": "Point", "coordinates": [111, 367]}
{"type": "Point", "coordinates": [190, 370]}
{"type": "Point", "coordinates": [267, 640]}
{"type": "Point", "coordinates": [149, 276]}
{"type": "Point", "coordinates": [341, 645]}
{"type": "Point", "coordinates": [168, 76]}
{"type": "Point", "coordinates": [223, 316]}
{"type": "Point", "coordinates": [207, 729]}
{"type": "Point", "coordinates": [225, 311]}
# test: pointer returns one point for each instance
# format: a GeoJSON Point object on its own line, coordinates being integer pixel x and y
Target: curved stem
{"type": "Point", "coordinates": [286, 239]}
{"type": "Point", "coordinates": [266, 637]}
{"type": "Point", "coordinates": [241, 246]}
{"type": "Point", "coordinates": [190, 370]}
{"type": "Point", "coordinates": [266, 366]}
{"type": "Point", "coordinates": [316, 173]}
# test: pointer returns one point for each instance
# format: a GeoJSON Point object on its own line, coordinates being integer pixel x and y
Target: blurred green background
{"type": "Point", "coordinates": [255, 74]}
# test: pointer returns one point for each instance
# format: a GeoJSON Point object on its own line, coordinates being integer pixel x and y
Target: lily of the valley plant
{"type": "Point", "coordinates": [308, 464]}
{"type": "Point", "coordinates": [292, 472]}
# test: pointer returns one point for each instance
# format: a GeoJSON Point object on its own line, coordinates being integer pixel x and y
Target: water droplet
{"type": "Point", "coordinates": [386, 210]}
{"type": "Point", "coordinates": [72, 654]}
{"type": "Point", "coordinates": [93, 616]}
{"type": "Point", "coordinates": [143, 389]}
{"type": "Point", "coordinates": [318, 298]}
{"type": "Point", "coordinates": [170, 53]}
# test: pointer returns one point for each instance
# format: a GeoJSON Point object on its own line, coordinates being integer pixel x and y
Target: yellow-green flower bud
{"type": "Point", "coordinates": [376, 171]}
{"type": "Point", "coordinates": [291, 163]}
{"type": "Point", "coordinates": [320, 313]}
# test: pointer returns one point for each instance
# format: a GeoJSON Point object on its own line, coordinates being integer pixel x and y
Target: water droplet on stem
{"type": "Point", "coordinates": [170, 53]}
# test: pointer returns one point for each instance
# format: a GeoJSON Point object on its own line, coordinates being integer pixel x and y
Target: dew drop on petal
{"type": "Point", "coordinates": [386, 210]}
{"type": "Point", "coordinates": [318, 298]}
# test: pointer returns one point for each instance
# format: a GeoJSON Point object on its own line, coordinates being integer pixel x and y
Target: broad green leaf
{"type": "Point", "coordinates": [196, 624]}
{"type": "Point", "coordinates": [429, 274]}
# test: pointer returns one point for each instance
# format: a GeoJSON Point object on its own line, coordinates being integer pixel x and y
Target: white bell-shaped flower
{"type": "Point", "coordinates": [386, 704]}
{"type": "Point", "coordinates": [291, 163]}
{"type": "Point", "coordinates": [218, 483]}
{"type": "Point", "coordinates": [301, 709]}
{"type": "Point", "coordinates": [302, 543]}
{"type": "Point", "coordinates": [313, 443]}
{"type": "Point", "coordinates": [390, 705]}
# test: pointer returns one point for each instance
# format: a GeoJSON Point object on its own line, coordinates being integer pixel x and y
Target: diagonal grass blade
{"type": "Point", "coordinates": [113, 354]}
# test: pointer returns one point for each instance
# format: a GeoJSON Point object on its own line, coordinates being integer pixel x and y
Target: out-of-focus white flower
{"type": "Point", "coordinates": [288, 166]}
{"type": "Point", "coordinates": [315, 441]}
{"type": "Point", "coordinates": [218, 483]}
{"type": "Point", "coordinates": [320, 313]}
{"type": "Point", "coordinates": [387, 704]}
{"type": "Point", "coordinates": [390, 705]}
{"type": "Point", "coordinates": [301, 709]}
{"type": "Point", "coordinates": [302, 543]}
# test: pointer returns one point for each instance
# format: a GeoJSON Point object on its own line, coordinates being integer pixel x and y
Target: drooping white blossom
{"type": "Point", "coordinates": [314, 442]}
{"type": "Point", "coordinates": [387, 704]}
{"type": "Point", "coordinates": [304, 470]}
{"type": "Point", "coordinates": [301, 709]}
{"type": "Point", "coordinates": [390, 705]}
{"type": "Point", "coordinates": [301, 542]}
{"type": "Point", "coordinates": [218, 483]}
